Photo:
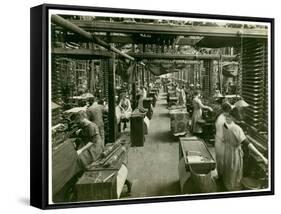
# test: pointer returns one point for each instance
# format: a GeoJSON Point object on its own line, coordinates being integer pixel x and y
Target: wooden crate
{"type": "Point", "coordinates": [93, 186]}
{"type": "Point", "coordinates": [179, 119]}
{"type": "Point", "coordinates": [137, 130]}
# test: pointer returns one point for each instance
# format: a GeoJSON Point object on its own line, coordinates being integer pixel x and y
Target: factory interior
{"type": "Point", "coordinates": [147, 107]}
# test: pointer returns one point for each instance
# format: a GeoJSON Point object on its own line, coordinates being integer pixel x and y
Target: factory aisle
{"type": "Point", "coordinates": [153, 169]}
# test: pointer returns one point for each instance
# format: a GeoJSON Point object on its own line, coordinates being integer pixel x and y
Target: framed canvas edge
{"type": "Point", "coordinates": [39, 119]}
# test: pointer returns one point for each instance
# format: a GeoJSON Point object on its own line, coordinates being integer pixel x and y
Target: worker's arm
{"type": "Point", "coordinates": [120, 106]}
{"type": "Point", "coordinates": [258, 153]}
{"type": "Point", "coordinates": [129, 109]}
{"type": "Point", "coordinates": [203, 106]}
{"type": "Point", "coordinates": [255, 150]}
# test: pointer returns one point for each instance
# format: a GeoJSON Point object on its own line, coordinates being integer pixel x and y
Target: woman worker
{"type": "Point", "coordinates": [234, 137]}
{"type": "Point", "coordinates": [219, 144]}
{"type": "Point", "coordinates": [126, 110]}
{"type": "Point", "coordinates": [93, 148]}
{"type": "Point", "coordinates": [182, 96]}
{"type": "Point", "coordinates": [196, 128]}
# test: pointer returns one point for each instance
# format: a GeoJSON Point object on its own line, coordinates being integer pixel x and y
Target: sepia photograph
{"type": "Point", "coordinates": [145, 106]}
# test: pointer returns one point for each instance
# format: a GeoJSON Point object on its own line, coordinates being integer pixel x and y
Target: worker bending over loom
{"type": "Point", "coordinates": [95, 114]}
{"type": "Point", "coordinates": [94, 148]}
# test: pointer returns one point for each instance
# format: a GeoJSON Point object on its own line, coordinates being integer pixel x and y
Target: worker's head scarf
{"type": "Point", "coordinates": [236, 114]}
{"type": "Point", "coordinates": [226, 107]}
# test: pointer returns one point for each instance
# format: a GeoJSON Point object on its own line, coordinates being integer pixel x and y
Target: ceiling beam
{"type": "Point", "coordinates": [166, 29]}
{"type": "Point", "coordinates": [71, 27]}
{"type": "Point", "coordinates": [129, 39]}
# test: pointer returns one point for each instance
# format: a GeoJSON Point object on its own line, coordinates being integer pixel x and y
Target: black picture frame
{"type": "Point", "coordinates": [39, 59]}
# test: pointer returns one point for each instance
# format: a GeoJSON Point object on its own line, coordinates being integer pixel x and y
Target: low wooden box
{"type": "Point", "coordinates": [92, 186]}
{"type": "Point", "coordinates": [137, 130]}
{"type": "Point", "coordinates": [179, 121]}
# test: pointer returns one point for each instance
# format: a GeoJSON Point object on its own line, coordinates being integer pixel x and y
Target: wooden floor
{"type": "Point", "coordinates": [153, 169]}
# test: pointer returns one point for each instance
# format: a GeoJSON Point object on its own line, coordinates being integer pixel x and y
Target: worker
{"type": "Point", "coordinates": [125, 108]}
{"type": "Point", "coordinates": [95, 114]}
{"type": "Point", "coordinates": [89, 133]}
{"type": "Point", "coordinates": [144, 92]}
{"type": "Point", "coordinates": [140, 107]}
{"type": "Point", "coordinates": [234, 137]}
{"type": "Point", "coordinates": [219, 144]}
{"type": "Point", "coordinates": [182, 96]}
{"type": "Point", "coordinates": [93, 149]}
{"type": "Point", "coordinates": [196, 128]}
{"type": "Point", "coordinates": [190, 94]}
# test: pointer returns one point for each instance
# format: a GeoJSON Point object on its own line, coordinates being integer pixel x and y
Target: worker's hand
{"type": "Point", "coordinates": [210, 109]}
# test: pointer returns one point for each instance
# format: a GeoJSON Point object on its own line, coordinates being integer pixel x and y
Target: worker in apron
{"type": "Point", "coordinates": [93, 149]}
{"type": "Point", "coordinates": [125, 108]}
{"type": "Point", "coordinates": [234, 137]}
{"type": "Point", "coordinates": [182, 97]}
{"type": "Point", "coordinates": [196, 128]}
{"type": "Point", "coordinates": [95, 114]}
{"type": "Point", "coordinates": [90, 136]}
{"type": "Point", "coordinates": [219, 143]}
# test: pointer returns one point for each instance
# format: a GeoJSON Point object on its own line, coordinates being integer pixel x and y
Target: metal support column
{"type": "Point", "coordinates": [111, 100]}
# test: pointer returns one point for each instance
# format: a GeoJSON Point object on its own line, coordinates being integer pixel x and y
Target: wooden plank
{"type": "Point", "coordinates": [81, 53]}
{"type": "Point", "coordinates": [174, 56]}
{"type": "Point", "coordinates": [188, 30]}
{"type": "Point", "coordinates": [94, 54]}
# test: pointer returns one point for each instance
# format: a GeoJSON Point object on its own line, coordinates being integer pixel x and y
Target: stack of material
{"type": "Point", "coordinates": [179, 122]}
{"type": "Point", "coordinates": [103, 85]}
{"type": "Point", "coordinates": [56, 113]}
{"type": "Point", "coordinates": [56, 80]}
{"type": "Point", "coordinates": [254, 82]}
{"type": "Point", "coordinates": [207, 76]}
{"type": "Point", "coordinates": [58, 134]}
{"type": "Point", "coordinates": [75, 110]}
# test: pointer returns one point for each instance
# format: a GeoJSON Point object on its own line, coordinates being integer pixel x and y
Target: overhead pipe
{"type": "Point", "coordinates": [75, 29]}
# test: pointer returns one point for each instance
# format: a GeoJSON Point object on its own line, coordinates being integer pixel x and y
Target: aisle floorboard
{"type": "Point", "coordinates": [153, 169]}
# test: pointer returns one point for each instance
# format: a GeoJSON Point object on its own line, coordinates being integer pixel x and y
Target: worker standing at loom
{"type": "Point", "coordinates": [95, 115]}
{"type": "Point", "coordinates": [196, 128]}
{"type": "Point", "coordinates": [219, 143]}
{"type": "Point", "coordinates": [182, 96]}
{"type": "Point", "coordinates": [234, 137]}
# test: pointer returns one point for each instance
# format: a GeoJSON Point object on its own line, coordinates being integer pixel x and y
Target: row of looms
{"type": "Point", "coordinates": [105, 57]}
